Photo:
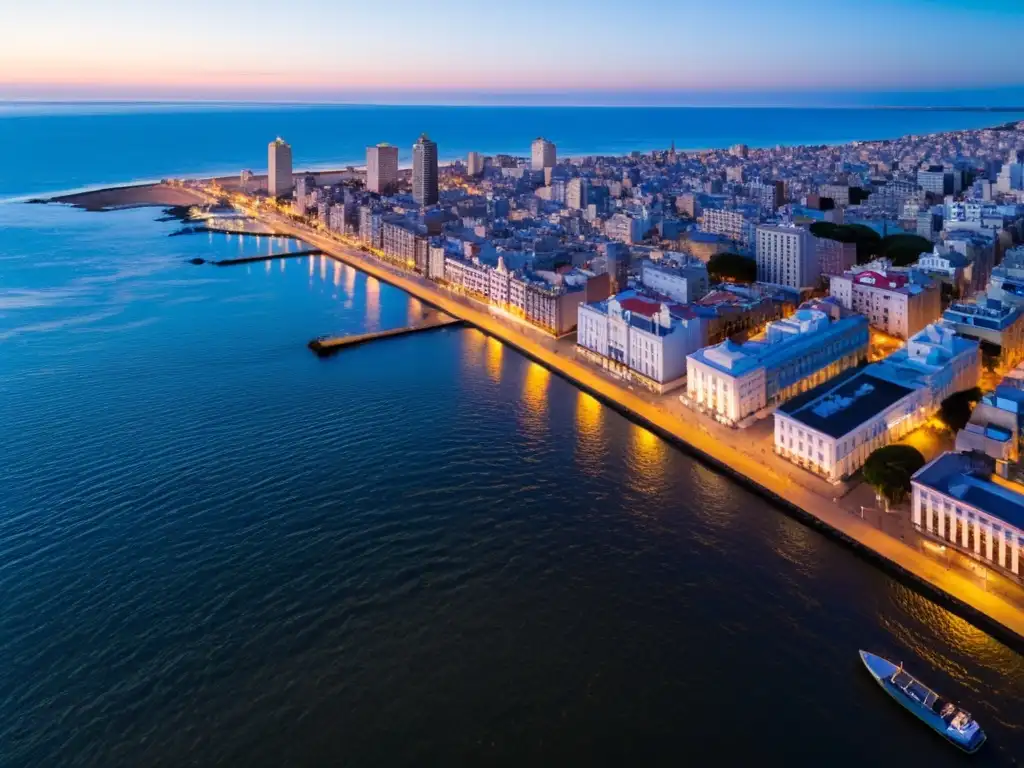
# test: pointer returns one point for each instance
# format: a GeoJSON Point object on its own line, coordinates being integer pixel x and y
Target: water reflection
{"type": "Point", "coordinates": [323, 268]}
{"type": "Point", "coordinates": [337, 274]}
{"type": "Point", "coordinates": [414, 310]}
{"type": "Point", "coordinates": [474, 344]}
{"type": "Point", "coordinates": [798, 544]}
{"type": "Point", "coordinates": [715, 495]}
{"type": "Point", "coordinates": [535, 400]}
{"type": "Point", "coordinates": [647, 460]}
{"type": "Point", "coordinates": [493, 360]}
{"type": "Point", "coordinates": [590, 444]}
{"type": "Point", "coordinates": [372, 303]}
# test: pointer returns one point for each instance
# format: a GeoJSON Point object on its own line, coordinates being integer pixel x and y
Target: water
{"type": "Point", "coordinates": [218, 549]}
{"type": "Point", "coordinates": [59, 147]}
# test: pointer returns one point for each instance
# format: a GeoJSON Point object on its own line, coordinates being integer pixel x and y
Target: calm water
{"type": "Point", "coordinates": [217, 549]}
{"type": "Point", "coordinates": [54, 147]}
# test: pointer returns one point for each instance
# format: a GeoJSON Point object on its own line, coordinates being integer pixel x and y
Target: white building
{"type": "Point", "coordinates": [279, 164]}
{"type": "Point", "coordinates": [731, 224]}
{"type": "Point", "coordinates": [542, 154]}
{"type": "Point", "coordinates": [577, 193]}
{"type": "Point", "coordinates": [685, 283]}
{"type": "Point", "coordinates": [832, 429]}
{"type": "Point", "coordinates": [839, 193]}
{"type": "Point", "coordinates": [786, 255]}
{"type": "Point", "coordinates": [959, 502]}
{"type": "Point", "coordinates": [733, 381]}
{"type": "Point", "coordinates": [474, 164]}
{"type": "Point", "coordinates": [891, 301]}
{"type": "Point", "coordinates": [646, 341]}
{"type": "Point", "coordinates": [424, 171]}
{"type": "Point", "coordinates": [382, 169]}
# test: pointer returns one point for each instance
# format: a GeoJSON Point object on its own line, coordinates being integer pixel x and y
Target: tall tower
{"type": "Point", "coordinates": [381, 168]}
{"type": "Point", "coordinates": [279, 168]}
{"type": "Point", "coordinates": [543, 154]}
{"type": "Point", "coordinates": [424, 171]}
{"type": "Point", "coordinates": [474, 164]}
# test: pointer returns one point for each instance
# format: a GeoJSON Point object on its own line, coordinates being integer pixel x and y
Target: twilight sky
{"type": "Point", "coordinates": [516, 51]}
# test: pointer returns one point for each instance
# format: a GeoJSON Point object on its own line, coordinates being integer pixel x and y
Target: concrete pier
{"type": "Point", "coordinates": [328, 345]}
{"type": "Point", "coordinates": [268, 257]}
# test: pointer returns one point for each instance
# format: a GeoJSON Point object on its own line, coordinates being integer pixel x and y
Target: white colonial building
{"type": "Point", "coordinates": [957, 500]}
{"type": "Point", "coordinates": [733, 381]}
{"type": "Point", "coordinates": [645, 340]}
{"type": "Point", "coordinates": [894, 302]}
{"type": "Point", "coordinates": [832, 429]}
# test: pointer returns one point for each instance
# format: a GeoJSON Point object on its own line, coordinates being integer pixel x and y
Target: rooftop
{"type": "Point", "coordinates": [957, 475]}
{"type": "Point", "coordinates": [840, 405]}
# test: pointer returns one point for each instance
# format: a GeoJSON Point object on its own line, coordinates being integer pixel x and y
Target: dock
{"type": "Point", "coordinates": [328, 345]}
{"type": "Point", "coordinates": [268, 257]}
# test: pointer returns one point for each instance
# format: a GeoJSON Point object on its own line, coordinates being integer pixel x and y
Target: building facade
{"type": "Point", "coordinates": [684, 283]}
{"type": "Point", "coordinates": [382, 169]}
{"type": "Point", "coordinates": [424, 171]}
{"type": "Point", "coordinates": [786, 256]}
{"type": "Point", "coordinates": [832, 429]}
{"type": "Point", "coordinates": [731, 224]}
{"type": "Point", "coordinates": [474, 164]}
{"type": "Point", "coordinates": [891, 301]}
{"type": "Point", "coordinates": [542, 154]}
{"type": "Point", "coordinates": [834, 257]}
{"type": "Point", "coordinates": [279, 168]}
{"type": "Point", "coordinates": [958, 501]}
{"type": "Point", "coordinates": [992, 323]}
{"type": "Point", "coordinates": [732, 381]}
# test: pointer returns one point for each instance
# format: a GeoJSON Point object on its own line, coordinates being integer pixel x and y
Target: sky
{"type": "Point", "coordinates": [518, 51]}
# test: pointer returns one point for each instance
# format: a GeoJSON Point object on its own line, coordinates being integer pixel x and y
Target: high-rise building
{"type": "Point", "coordinates": [577, 192]}
{"type": "Point", "coordinates": [543, 154]}
{"type": "Point", "coordinates": [475, 164]}
{"type": "Point", "coordinates": [382, 168]}
{"type": "Point", "coordinates": [786, 255]}
{"type": "Point", "coordinates": [424, 171]}
{"type": "Point", "coordinates": [279, 168]}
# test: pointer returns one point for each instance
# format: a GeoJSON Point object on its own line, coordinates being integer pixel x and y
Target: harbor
{"type": "Point", "coordinates": [328, 345]}
{"type": "Point", "coordinates": [951, 588]}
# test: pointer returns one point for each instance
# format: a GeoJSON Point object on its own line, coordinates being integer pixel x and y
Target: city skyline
{"type": "Point", "coordinates": [737, 51]}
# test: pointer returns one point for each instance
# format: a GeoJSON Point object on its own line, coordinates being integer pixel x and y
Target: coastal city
{"type": "Point", "coordinates": [846, 320]}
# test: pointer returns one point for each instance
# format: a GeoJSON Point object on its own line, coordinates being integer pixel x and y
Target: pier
{"type": "Point", "coordinates": [268, 257]}
{"type": "Point", "coordinates": [328, 345]}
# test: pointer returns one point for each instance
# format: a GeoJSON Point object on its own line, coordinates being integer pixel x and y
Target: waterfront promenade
{"type": "Point", "coordinates": [821, 508]}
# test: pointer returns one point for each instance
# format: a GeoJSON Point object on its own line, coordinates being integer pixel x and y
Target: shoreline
{"type": "Point", "coordinates": [158, 195]}
{"type": "Point", "coordinates": [948, 588]}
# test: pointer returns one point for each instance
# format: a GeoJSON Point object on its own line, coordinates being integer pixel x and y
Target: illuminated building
{"type": "Point", "coordinates": [424, 171]}
{"type": "Point", "coordinates": [542, 154]}
{"type": "Point", "coordinates": [279, 164]}
{"type": "Point", "coordinates": [382, 169]}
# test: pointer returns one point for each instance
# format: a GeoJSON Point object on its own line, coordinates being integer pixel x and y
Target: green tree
{"type": "Point", "coordinates": [955, 410]}
{"type": "Point", "coordinates": [732, 268]}
{"type": "Point", "coordinates": [888, 470]}
{"type": "Point", "coordinates": [868, 241]}
{"type": "Point", "coordinates": [904, 249]}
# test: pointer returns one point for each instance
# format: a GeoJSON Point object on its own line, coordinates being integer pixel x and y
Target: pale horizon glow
{"type": "Point", "coordinates": [329, 50]}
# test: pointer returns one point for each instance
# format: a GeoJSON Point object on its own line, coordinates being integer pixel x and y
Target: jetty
{"type": "Point", "coordinates": [268, 257]}
{"type": "Point", "coordinates": [328, 345]}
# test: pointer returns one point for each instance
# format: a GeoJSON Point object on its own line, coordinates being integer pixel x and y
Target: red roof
{"type": "Point", "coordinates": [878, 280]}
{"type": "Point", "coordinates": [640, 306]}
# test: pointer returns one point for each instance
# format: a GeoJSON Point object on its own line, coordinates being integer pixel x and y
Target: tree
{"type": "Point", "coordinates": [865, 238]}
{"type": "Point", "coordinates": [904, 250]}
{"type": "Point", "coordinates": [955, 410]}
{"type": "Point", "coordinates": [732, 268]}
{"type": "Point", "coordinates": [888, 470]}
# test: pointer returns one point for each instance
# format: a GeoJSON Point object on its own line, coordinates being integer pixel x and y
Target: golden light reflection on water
{"type": "Point", "coordinates": [414, 310]}
{"type": "Point", "coordinates": [475, 343]}
{"type": "Point", "coordinates": [797, 543]}
{"type": "Point", "coordinates": [648, 461]}
{"type": "Point", "coordinates": [337, 274]}
{"type": "Point", "coordinates": [495, 350]}
{"type": "Point", "coordinates": [312, 268]}
{"type": "Point", "coordinates": [535, 399]}
{"type": "Point", "coordinates": [372, 303]}
{"type": "Point", "coordinates": [350, 280]}
{"type": "Point", "coordinates": [590, 444]}
{"type": "Point", "coordinates": [323, 268]}
{"type": "Point", "coordinates": [716, 496]}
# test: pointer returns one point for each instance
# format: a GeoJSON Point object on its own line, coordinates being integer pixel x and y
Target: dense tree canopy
{"type": "Point", "coordinates": [904, 250]}
{"type": "Point", "coordinates": [865, 238]}
{"type": "Point", "coordinates": [888, 470]}
{"type": "Point", "coordinates": [956, 409]}
{"type": "Point", "coordinates": [732, 268]}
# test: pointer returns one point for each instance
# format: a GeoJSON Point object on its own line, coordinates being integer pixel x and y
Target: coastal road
{"type": "Point", "coordinates": [720, 452]}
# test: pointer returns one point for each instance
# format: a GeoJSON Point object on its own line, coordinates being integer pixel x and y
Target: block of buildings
{"type": "Point", "coordinates": [643, 339]}
{"type": "Point", "coordinates": [832, 429]}
{"type": "Point", "coordinates": [683, 283]}
{"type": "Point", "coordinates": [732, 381]}
{"type": "Point", "coordinates": [898, 303]}
{"type": "Point", "coordinates": [786, 255]}
{"type": "Point", "coordinates": [992, 323]}
{"type": "Point", "coordinates": [958, 500]}
{"type": "Point", "coordinates": [382, 169]}
{"type": "Point", "coordinates": [834, 257]}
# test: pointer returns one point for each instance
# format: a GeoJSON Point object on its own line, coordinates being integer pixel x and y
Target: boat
{"type": "Point", "coordinates": [944, 717]}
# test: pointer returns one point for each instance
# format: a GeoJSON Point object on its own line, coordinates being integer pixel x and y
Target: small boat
{"type": "Point", "coordinates": [944, 717]}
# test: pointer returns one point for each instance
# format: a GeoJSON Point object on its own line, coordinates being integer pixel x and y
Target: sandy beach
{"type": "Point", "coordinates": [138, 196]}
